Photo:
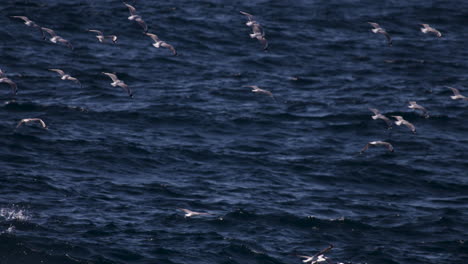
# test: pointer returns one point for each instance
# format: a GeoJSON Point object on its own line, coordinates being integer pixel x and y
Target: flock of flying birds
{"type": "Point", "coordinates": [257, 33]}
{"type": "Point", "coordinates": [377, 29]}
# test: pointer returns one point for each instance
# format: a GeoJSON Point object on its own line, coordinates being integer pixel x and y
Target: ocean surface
{"type": "Point", "coordinates": [279, 176]}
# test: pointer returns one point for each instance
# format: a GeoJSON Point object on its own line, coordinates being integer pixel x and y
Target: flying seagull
{"type": "Point", "coordinates": [378, 115]}
{"type": "Point", "coordinates": [317, 258]}
{"type": "Point", "coordinates": [428, 29]}
{"type": "Point", "coordinates": [117, 82]}
{"type": "Point", "coordinates": [4, 79]}
{"type": "Point", "coordinates": [378, 143]}
{"type": "Point", "coordinates": [257, 30]}
{"type": "Point", "coordinates": [100, 36]}
{"type": "Point", "coordinates": [415, 106]}
{"type": "Point", "coordinates": [456, 94]}
{"type": "Point", "coordinates": [378, 30]}
{"type": "Point", "coordinates": [65, 76]}
{"type": "Point", "coordinates": [256, 89]}
{"type": "Point", "coordinates": [55, 38]}
{"type": "Point", "coordinates": [30, 23]}
{"type": "Point", "coordinates": [159, 43]}
{"type": "Point", "coordinates": [27, 120]}
{"type": "Point", "coordinates": [400, 121]}
{"type": "Point", "coordinates": [133, 16]}
{"type": "Point", "coordinates": [189, 213]}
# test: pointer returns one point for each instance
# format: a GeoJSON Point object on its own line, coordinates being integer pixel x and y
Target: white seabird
{"type": "Point", "coordinates": [256, 89]}
{"type": "Point", "coordinates": [134, 17]}
{"type": "Point", "coordinates": [190, 213]}
{"type": "Point", "coordinates": [378, 115]}
{"type": "Point", "coordinates": [4, 79]}
{"type": "Point", "coordinates": [428, 29]}
{"type": "Point", "coordinates": [317, 258]}
{"type": "Point", "coordinates": [56, 39]}
{"type": "Point", "coordinates": [415, 106]}
{"type": "Point", "coordinates": [101, 38]}
{"type": "Point", "coordinates": [400, 121]}
{"type": "Point", "coordinates": [159, 43]}
{"type": "Point", "coordinates": [257, 29]}
{"type": "Point", "coordinates": [456, 94]}
{"type": "Point", "coordinates": [65, 76]}
{"type": "Point", "coordinates": [120, 83]}
{"type": "Point", "coordinates": [27, 120]}
{"type": "Point", "coordinates": [30, 23]}
{"type": "Point", "coordinates": [378, 143]}
{"type": "Point", "coordinates": [378, 30]}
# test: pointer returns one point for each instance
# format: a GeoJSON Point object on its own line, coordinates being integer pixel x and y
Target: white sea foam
{"type": "Point", "coordinates": [14, 214]}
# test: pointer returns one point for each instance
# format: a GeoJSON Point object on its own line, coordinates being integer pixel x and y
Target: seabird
{"type": "Point", "coordinates": [400, 121]}
{"type": "Point", "coordinates": [189, 213]}
{"type": "Point", "coordinates": [456, 94]}
{"type": "Point", "coordinates": [378, 30]}
{"type": "Point", "coordinates": [55, 38]}
{"type": "Point", "coordinates": [4, 79]}
{"type": "Point", "coordinates": [27, 120]}
{"type": "Point", "coordinates": [317, 258]}
{"type": "Point", "coordinates": [428, 29]}
{"type": "Point", "coordinates": [415, 106]}
{"type": "Point", "coordinates": [30, 23]}
{"type": "Point", "coordinates": [65, 76]}
{"type": "Point", "coordinates": [257, 29]}
{"type": "Point", "coordinates": [378, 115]}
{"type": "Point", "coordinates": [256, 89]}
{"type": "Point", "coordinates": [133, 16]}
{"type": "Point", "coordinates": [159, 43]}
{"type": "Point", "coordinates": [378, 143]}
{"type": "Point", "coordinates": [100, 36]}
{"type": "Point", "coordinates": [117, 82]}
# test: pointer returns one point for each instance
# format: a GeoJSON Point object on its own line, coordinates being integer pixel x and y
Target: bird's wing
{"type": "Point", "coordinates": [58, 71]}
{"type": "Point", "coordinates": [20, 123]}
{"type": "Point", "coordinates": [153, 36]}
{"type": "Point", "coordinates": [131, 9]}
{"type": "Point", "coordinates": [388, 145]}
{"type": "Point", "coordinates": [66, 42]}
{"type": "Point", "coordinates": [409, 125]}
{"type": "Point", "coordinates": [389, 39]}
{"type": "Point", "coordinates": [365, 148]}
{"type": "Point", "coordinates": [50, 31]}
{"type": "Point", "coordinates": [266, 92]}
{"type": "Point", "coordinates": [375, 111]}
{"type": "Point", "coordinates": [187, 211]}
{"type": "Point", "coordinates": [388, 121]}
{"type": "Point", "coordinates": [325, 250]}
{"type": "Point", "coordinates": [375, 25]}
{"type": "Point", "coordinates": [11, 83]}
{"type": "Point", "coordinates": [126, 88]}
{"type": "Point", "coordinates": [435, 31]}
{"type": "Point", "coordinates": [249, 16]}
{"type": "Point", "coordinates": [169, 46]}
{"type": "Point", "coordinates": [142, 24]}
{"type": "Point", "coordinates": [40, 121]}
{"type": "Point", "coordinates": [252, 86]}
{"type": "Point", "coordinates": [96, 31]}
{"type": "Point", "coordinates": [112, 76]}
{"type": "Point", "coordinates": [264, 42]}
{"type": "Point", "coordinates": [454, 90]}
{"type": "Point", "coordinates": [23, 18]}
{"type": "Point", "coordinates": [257, 28]}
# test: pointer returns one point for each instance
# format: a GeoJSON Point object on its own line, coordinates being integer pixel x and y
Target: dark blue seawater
{"type": "Point", "coordinates": [103, 183]}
